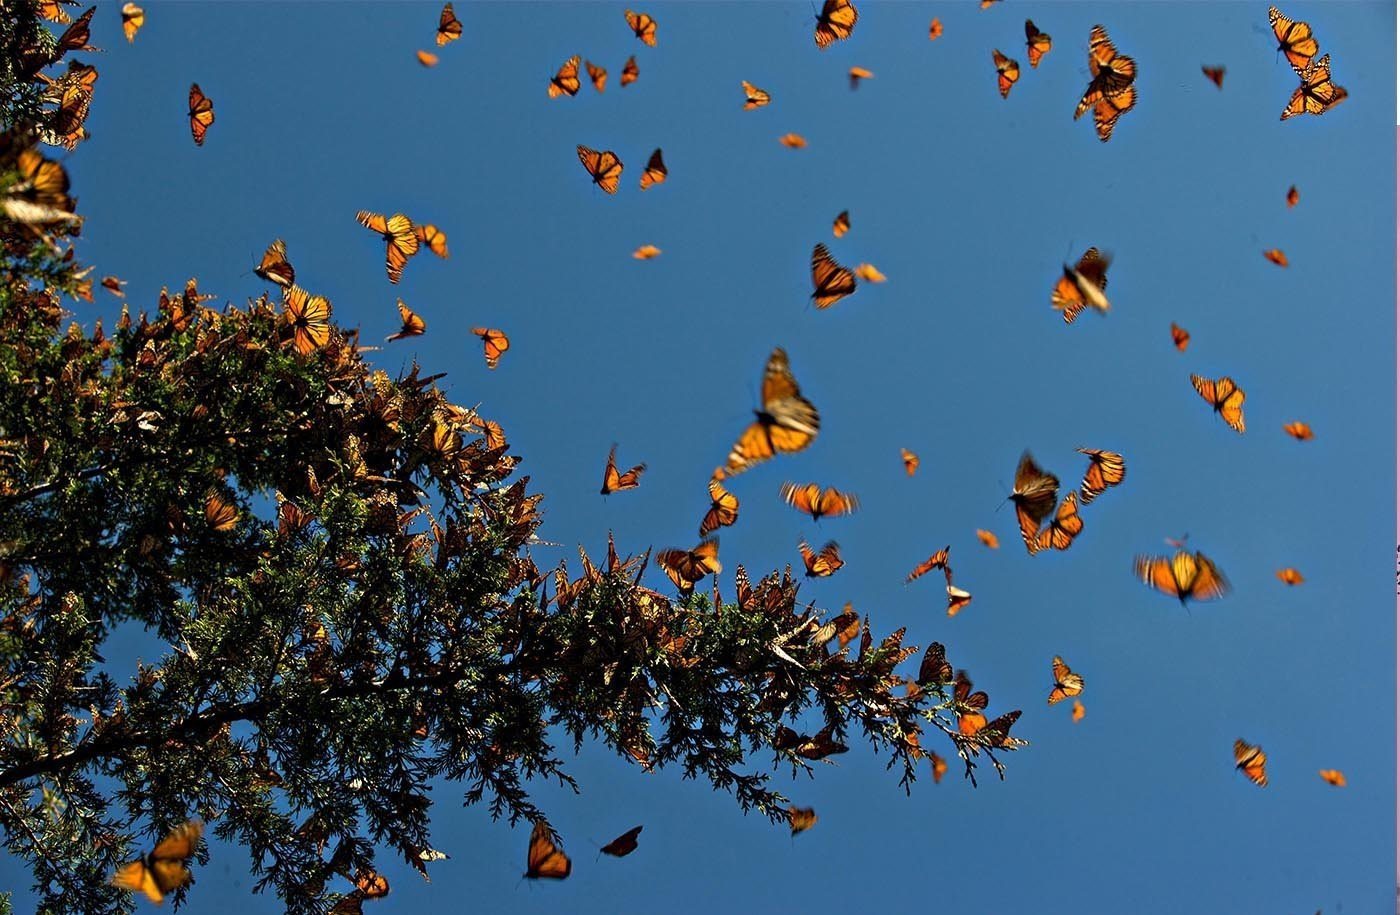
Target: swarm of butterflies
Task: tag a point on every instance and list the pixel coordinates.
(785, 422)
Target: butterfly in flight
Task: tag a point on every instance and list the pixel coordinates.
(686, 567)
(494, 343)
(1183, 576)
(801, 819)
(830, 281)
(787, 422)
(857, 74)
(310, 318)
(821, 564)
(723, 511)
(835, 22)
(1316, 93)
(220, 514)
(1076, 712)
(430, 235)
(646, 252)
(793, 140)
(1225, 397)
(754, 97)
(629, 72)
(1333, 777)
(1291, 198)
(114, 285)
(1034, 494)
(1081, 286)
(545, 858)
(1067, 682)
(1295, 40)
(968, 706)
(274, 266)
(841, 224)
(935, 29)
(427, 58)
(164, 870)
(1008, 72)
(1180, 336)
(1037, 44)
(1277, 257)
(399, 241)
(1110, 92)
(133, 17)
(1250, 760)
(1063, 528)
(911, 461)
(1301, 431)
(938, 560)
(817, 502)
(624, 844)
(566, 81)
(1290, 576)
(412, 324)
(940, 767)
(988, 539)
(598, 75)
(614, 481)
(603, 167)
(449, 26)
(643, 26)
(655, 171)
(957, 599)
(1215, 75)
(1106, 468)
(201, 114)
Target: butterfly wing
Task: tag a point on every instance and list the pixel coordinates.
(136, 877)
(724, 509)
(449, 26)
(1295, 39)
(835, 23)
(1008, 72)
(1037, 44)
(624, 844)
(545, 858)
(655, 171)
(201, 114)
(566, 81)
(1110, 108)
(830, 281)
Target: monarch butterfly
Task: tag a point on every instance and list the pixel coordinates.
(1037, 44)
(163, 870)
(133, 17)
(686, 567)
(935, 29)
(624, 844)
(201, 114)
(821, 746)
(655, 172)
(566, 81)
(274, 266)
(219, 514)
(1110, 91)
(987, 3)
(603, 167)
(868, 273)
(1333, 777)
(968, 706)
(988, 539)
(1076, 713)
(938, 560)
(824, 563)
(793, 140)
(1295, 39)
(911, 461)
(1176, 542)
(75, 37)
(1034, 494)
(114, 285)
(1215, 75)
(494, 342)
(53, 11)
(426, 58)
(433, 237)
(413, 325)
(1316, 92)
(1106, 468)
(857, 74)
(643, 26)
(1291, 198)
(614, 481)
(1008, 71)
(1301, 431)
(646, 252)
(629, 72)
(835, 22)
(1275, 256)
(1250, 760)
(1225, 397)
(934, 668)
(998, 732)
(817, 502)
(723, 511)
(400, 242)
(754, 97)
(1063, 528)
(1182, 576)
(787, 422)
(1069, 296)
(1290, 576)
(1180, 336)
(940, 767)
(74, 104)
(830, 281)
(545, 858)
(1067, 682)
(598, 75)
(801, 819)
(449, 26)
(957, 599)
(841, 224)
(310, 317)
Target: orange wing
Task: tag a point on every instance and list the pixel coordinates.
(938, 560)
(310, 317)
(449, 26)
(545, 858)
(817, 502)
(1180, 336)
(566, 81)
(787, 422)
(1275, 256)
(1063, 528)
(1008, 72)
(686, 567)
(1295, 39)
(1066, 295)
(842, 224)
(1225, 397)
(957, 599)
(988, 539)
(133, 17)
(1034, 495)
(274, 266)
(614, 481)
(824, 563)
(1291, 198)
(655, 171)
(1037, 44)
(494, 342)
(835, 22)
(1250, 760)
(1067, 682)
(433, 237)
(598, 75)
(724, 509)
(910, 459)
(426, 58)
(605, 168)
(754, 97)
(801, 819)
(1215, 75)
(643, 26)
(1106, 468)
(830, 281)
(201, 114)
(940, 767)
(935, 29)
(1333, 777)
(413, 325)
(629, 72)
(1290, 576)
(1077, 712)
(400, 242)
(1301, 431)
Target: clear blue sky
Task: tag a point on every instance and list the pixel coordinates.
(968, 204)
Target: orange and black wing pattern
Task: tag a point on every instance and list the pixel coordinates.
(411, 324)
(1316, 93)
(400, 242)
(164, 870)
(493, 343)
(449, 26)
(1295, 40)
(1106, 468)
(686, 567)
(811, 499)
(830, 281)
(1037, 44)
(1059, 534)
(938, 560)
(201, 114)
(1008, 72)
(786, 423)
(835, 22)
(821, 564)
(274, 266)
(1066, 297)
(1034, 494)
(1250, 760)
(1225, 397)
(1110, 92)
(614, 481)
(655, 171)
(545, 858)
(1067, 682)
(1185, 576)
(310, 318)
(723, 510)
(643, 26)
(605, 168)
(566, 81)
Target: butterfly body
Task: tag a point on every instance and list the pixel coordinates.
(164, 869)
(1183, 576)
(787, 421)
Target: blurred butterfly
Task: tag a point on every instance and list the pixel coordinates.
(1063, 528)
(988, 539)
(1034, 494)
(1106, 468)
(801, 819)
(1301, 431)
(629, 72)
(624, 844)
(835, 22)
(433, 237)
(938, 560)
(786, 423)
(1037, 44)
(219, 514)
(1275, 256)
(1110, 91)
(310, 317)
(940, 767)
(1008, 72)
(53, 11)
(1333, 777)
(754, 97)
(987, 3)
(133, 17)
(494, 342)
(792, 140)
(1215, 75)
(1316, 93)
(114, 286)
(841, 224)
(1176, 543)
(1067, 682)
(1291, 198)
(1068, 295)
(830, 281)
(1225, 397)
(426, 58)
(400, 243)
(164, 869)
(1250, 760)
(817, 502)
(1290, 576)
(857, 74)
(646, 252)
(1182, 576)
(1076, 714)
(957, 599)
(821, 746)
(274, 266)
(935, 29)
(449, 26)
(546, 859)
(723, 511)
(868, 273)
(998, 732)
(1180, 336)
(413, 325)
(844, 628)
(968, 706)
(598, 75)
(201, 114)
(614, 481)
(603, 167)
(911, 461)
(686, 567)
(824, 563)
(655, 171)
(934, 668)
(566, 81)
(643, 26)
(1295, 39)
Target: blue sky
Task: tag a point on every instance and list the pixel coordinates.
(968, 203)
